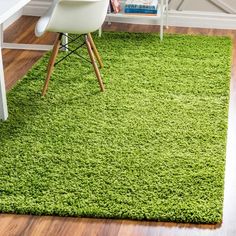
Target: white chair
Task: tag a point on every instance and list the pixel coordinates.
(73, 17)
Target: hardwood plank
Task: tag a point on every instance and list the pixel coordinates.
(17, 63)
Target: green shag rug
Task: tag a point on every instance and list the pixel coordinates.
(152, 147)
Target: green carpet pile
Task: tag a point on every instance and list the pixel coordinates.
(152, 146)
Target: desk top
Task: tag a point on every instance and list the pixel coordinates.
(10, 7)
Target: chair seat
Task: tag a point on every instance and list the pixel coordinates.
(73, 17)
(42, 25)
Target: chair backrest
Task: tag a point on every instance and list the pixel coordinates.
(77, 16)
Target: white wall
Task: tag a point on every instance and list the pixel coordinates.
(186, 13)
(222, 6)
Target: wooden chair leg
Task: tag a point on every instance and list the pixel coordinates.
(91, 55)
(93, 46)
(51, 62)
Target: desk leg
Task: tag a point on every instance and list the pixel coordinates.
(162, 21)
(3, 99)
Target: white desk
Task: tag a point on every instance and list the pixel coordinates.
(7, 9)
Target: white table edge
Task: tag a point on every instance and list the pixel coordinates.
(13, 8)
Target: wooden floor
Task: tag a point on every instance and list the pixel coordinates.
(17, 63)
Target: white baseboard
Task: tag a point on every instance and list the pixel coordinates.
(176, 18)
(213, 20)
(12, 19)
(36, 8)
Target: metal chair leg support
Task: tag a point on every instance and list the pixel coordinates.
(52, 62)
(91, 55)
